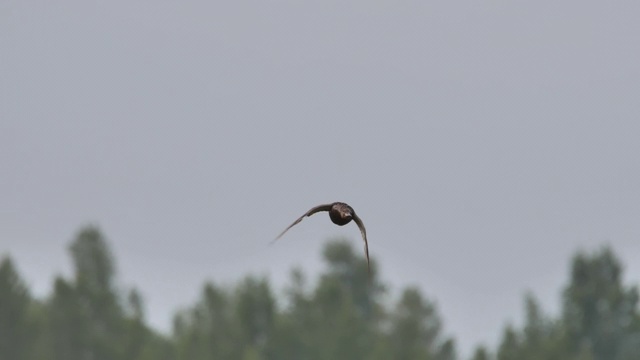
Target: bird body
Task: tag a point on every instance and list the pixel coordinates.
(340, 214)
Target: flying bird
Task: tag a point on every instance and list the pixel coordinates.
(340, 214)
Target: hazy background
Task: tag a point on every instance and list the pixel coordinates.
(479, 141)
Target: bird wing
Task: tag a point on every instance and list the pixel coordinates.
(313, 210)
(358, 222)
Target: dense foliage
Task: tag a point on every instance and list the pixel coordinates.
(345, 316)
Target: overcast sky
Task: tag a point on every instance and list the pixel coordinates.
(482, 142)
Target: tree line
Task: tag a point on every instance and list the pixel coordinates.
(346, 315)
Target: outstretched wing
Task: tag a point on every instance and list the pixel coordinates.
(358, 222)
(325, 207)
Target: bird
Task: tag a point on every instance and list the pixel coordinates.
(340, 214)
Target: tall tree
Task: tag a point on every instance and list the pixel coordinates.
(481, 353)
(350, 270)
(138, 336)
(207, 330)
(340, 331)
(540, 338)
(255, 311)
(599, 311)
(16, 333)
(417, 330)
(294, 326)
(68, 328)
(599, 318)
(509, 348)
(346, 306)
(87, 316)
(84, 315)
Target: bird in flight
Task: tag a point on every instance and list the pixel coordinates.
(340, 214)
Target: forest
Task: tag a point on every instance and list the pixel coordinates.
(90, 317)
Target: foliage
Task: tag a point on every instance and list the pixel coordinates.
(345, 316)
(16, 330)
(598, 321)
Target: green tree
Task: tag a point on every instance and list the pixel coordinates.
(136, 329)
(255, 312)
(293, 337)
(540, 338)
(599, 318)
(350, 272)
(345, 306)
(341, 332)
(68, 328)
(141, 342)
(208, 331)
(222, 325)
(481, 353)
(97, 295)
(509, 348)
(599, 311)
(86, 316)
(16, 331)
(417, 330)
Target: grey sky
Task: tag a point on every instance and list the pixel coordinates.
(481, 142)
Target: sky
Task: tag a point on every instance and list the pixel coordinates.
(482, 143)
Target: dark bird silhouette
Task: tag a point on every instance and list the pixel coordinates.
(340, 214)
